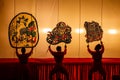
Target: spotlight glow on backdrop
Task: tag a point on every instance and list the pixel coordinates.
(79, 30)
(46, 30)
(112, 31)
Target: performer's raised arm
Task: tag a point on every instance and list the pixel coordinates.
(17, 51)
(102, 47)
(49, 48)
(65, 50)
(90, 51)
(30, 52)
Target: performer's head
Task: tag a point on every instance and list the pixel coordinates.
(97, 47)
(58, 48)
(23, 50)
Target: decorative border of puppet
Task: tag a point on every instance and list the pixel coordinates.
(94, 31)
(23, 31)
(61, 33)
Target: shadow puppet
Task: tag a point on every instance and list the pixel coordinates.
(97, 61)
(24, 69)
(59, 68)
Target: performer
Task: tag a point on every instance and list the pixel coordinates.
(23, 58)
(97, 63)
(58, 56)
(24, 70)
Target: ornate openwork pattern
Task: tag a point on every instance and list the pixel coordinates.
(94, 31)
(61, 33)
(23, 31)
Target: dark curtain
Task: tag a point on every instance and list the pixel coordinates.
(79, 71)
(40, 69)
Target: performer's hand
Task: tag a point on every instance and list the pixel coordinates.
(49, 46)
(32, 48)
(101, 42)
(16, 48)
(65, 46)
(88, 45)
